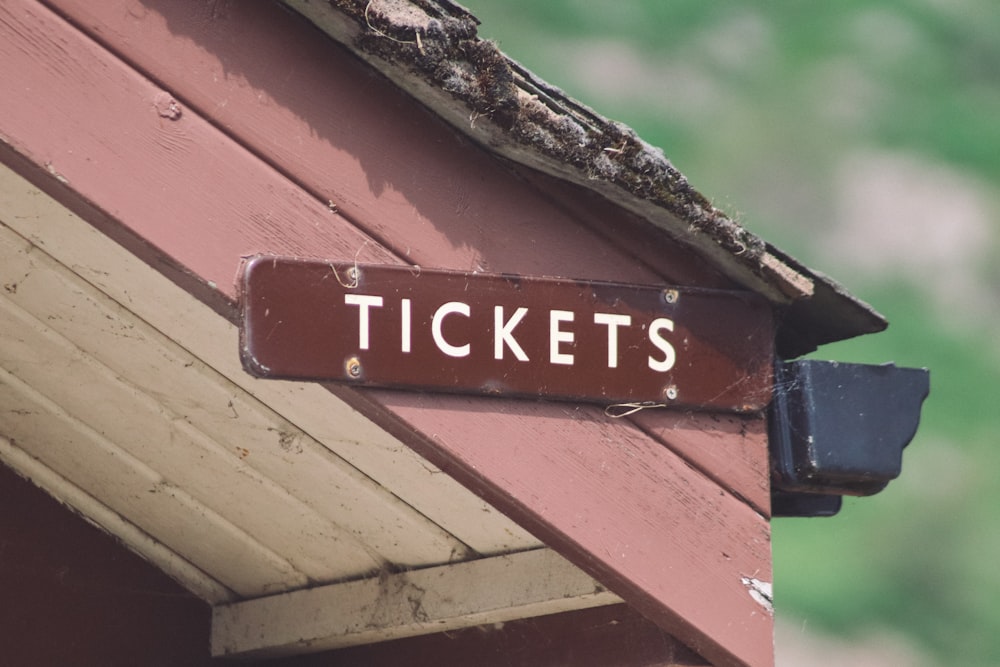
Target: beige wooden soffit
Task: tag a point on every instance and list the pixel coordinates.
(123, 396)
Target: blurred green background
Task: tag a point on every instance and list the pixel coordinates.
(864, 139)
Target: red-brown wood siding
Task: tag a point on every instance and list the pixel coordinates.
(380, 178)
(257, 125)
(73, 596)
(615, 501)
(599, 637)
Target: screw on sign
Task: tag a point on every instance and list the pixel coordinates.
(353, 367)
(506, 335)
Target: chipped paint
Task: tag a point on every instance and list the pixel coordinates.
(166, 106)
(761, 592)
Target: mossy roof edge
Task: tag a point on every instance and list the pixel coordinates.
(431, 49)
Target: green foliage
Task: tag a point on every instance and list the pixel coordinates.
(918, 556)
(933, 69)
(759, 104)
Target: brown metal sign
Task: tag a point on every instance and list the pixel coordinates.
(404, 327)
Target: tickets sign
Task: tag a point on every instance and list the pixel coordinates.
(411, 328)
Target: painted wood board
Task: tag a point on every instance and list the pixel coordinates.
(99, 514)
(388, 192)
(531, 141)
(390, 606)
(73, 595)
(613, 635)
(72, 449)
(729, 449)
(167, 409)
(390, 167)
(666, 606)
(180, 410)
(210, 340)
(617, 503)
(148, 142)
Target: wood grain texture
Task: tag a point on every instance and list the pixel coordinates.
(167, 408)
(611, 498)
(350, 137)
(134, 290)
(487, 591)
(139, 542)
(130, 488)
(101, 129)
(389, 167)
(730, 449)
(618, 504)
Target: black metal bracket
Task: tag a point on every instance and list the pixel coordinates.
(839, 429)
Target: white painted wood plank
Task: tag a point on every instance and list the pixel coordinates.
(140, 426)
(489, 590)
(174, 398)
(99, 514)
(311, 408)
(72, 449)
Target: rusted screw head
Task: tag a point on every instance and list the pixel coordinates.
(671, 295)
(353, 367)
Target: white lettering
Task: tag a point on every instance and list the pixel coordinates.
(405, 327)
(446, 309)
(669, 356)
(557, 336)
(503, 333)
(364, 301)
(613, 322)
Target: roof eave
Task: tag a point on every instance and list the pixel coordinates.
(433, 52)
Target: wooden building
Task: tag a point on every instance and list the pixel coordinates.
(150, 147)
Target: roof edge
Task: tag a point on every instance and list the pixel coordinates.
(431, 49)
